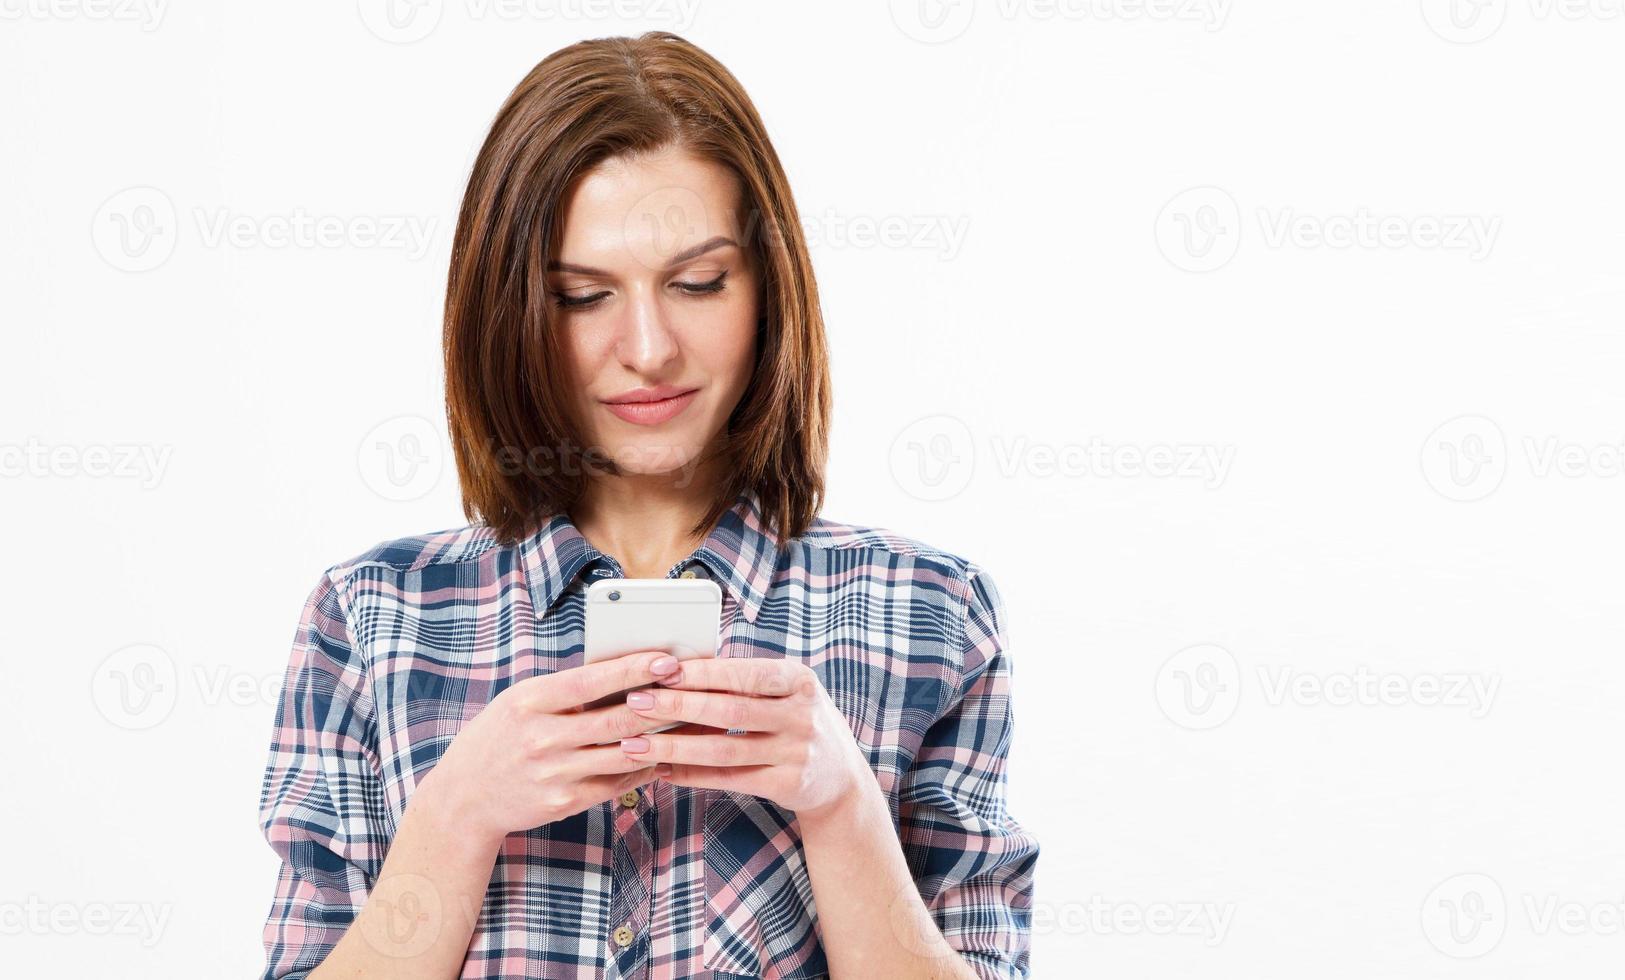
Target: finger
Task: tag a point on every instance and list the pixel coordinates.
(721, 751)
(602, 788)
(610, 724)
(570, 688)
(602, 762)
(739, 779)
(759, 677)
(718, 709)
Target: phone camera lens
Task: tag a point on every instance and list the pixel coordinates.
(614, 597)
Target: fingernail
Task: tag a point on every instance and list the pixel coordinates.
(640, 699)
(663, 665)
(670, 678)
(635, 744)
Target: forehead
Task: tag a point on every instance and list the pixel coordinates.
(648, 208)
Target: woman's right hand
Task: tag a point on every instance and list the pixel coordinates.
(531, 757)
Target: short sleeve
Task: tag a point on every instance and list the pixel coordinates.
(973, 862)
(321, 802)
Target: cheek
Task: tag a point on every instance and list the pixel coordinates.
(725, 344)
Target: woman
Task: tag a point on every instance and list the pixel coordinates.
(637, 386)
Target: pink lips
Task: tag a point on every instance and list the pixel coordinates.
(651, 412)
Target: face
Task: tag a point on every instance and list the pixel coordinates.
(656, 302)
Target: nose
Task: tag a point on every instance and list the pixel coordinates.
(645, 342)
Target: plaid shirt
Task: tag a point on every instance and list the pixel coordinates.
(399, 646)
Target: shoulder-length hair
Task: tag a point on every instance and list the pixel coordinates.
(506, 400)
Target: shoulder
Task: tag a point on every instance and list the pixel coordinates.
(881, 545)
(446, 547)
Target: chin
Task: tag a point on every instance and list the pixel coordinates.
(653, 457)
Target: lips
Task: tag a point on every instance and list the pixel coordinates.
(651, 411)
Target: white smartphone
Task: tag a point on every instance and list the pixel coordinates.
(626, 615)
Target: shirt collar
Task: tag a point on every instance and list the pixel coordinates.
(740, 551)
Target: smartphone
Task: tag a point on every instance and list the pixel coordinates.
(627, 615)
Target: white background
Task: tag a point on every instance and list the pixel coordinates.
(1026, 302)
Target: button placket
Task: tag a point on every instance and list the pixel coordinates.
(633, 881)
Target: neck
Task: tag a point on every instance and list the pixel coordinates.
(644, 521)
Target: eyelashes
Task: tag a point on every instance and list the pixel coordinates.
(709, 288)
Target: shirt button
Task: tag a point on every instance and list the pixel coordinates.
(689, 573)
(629, 798)
(623, 936)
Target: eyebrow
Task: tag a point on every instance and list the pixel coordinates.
(678, 259)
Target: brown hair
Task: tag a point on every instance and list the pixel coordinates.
(505, 367)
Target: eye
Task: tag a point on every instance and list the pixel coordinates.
(702, 288)
(565, 301)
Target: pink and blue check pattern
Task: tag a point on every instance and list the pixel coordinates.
(399, 646)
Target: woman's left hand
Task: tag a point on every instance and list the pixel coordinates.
(797, 749)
